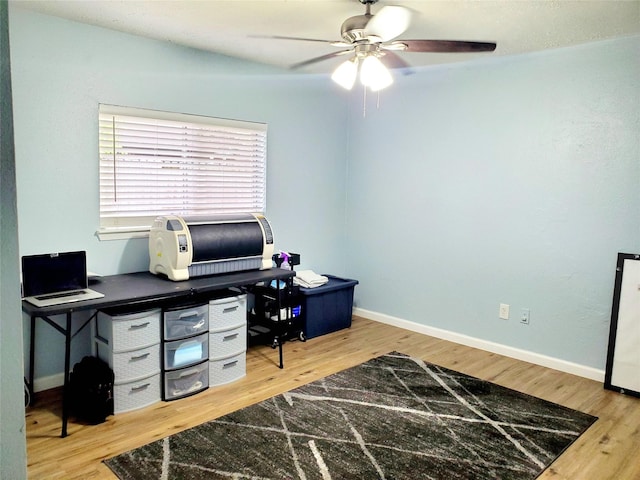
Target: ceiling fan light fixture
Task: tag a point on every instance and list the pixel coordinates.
(389, 22)
(346, 73)
(374, 74)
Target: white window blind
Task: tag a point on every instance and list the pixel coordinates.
(160, 163)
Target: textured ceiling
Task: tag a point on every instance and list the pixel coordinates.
(231, 27)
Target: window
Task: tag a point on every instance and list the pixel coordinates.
(159, 163)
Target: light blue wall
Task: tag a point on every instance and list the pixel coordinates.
(62, 70)
(509, 180)
(13, 449)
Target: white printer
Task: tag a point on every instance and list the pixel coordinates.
(185, 247)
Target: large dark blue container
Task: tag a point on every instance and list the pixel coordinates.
(327, 308)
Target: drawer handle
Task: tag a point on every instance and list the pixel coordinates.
(189, 373)
(230, 337)
(140, 325)
(230, 364)
(140, 357)
(188, 314)
(230, 309)
(140, 387)
(189, 344)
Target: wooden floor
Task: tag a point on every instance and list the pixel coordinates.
(610, 449)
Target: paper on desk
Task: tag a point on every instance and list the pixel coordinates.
(309, 279)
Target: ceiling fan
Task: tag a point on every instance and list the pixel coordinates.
(370, 38)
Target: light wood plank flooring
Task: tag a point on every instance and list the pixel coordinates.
(610, 449)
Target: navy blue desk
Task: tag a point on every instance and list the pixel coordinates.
(141, 289)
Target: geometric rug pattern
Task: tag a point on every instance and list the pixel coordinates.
(393, 417)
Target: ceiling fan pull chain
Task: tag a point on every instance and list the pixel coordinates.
(364, 102)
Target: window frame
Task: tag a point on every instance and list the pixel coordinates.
(251, 183)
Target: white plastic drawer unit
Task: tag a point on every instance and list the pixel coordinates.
(129, 331)
(186, 352)
(136, 394)
(132, 364)
(228, 312)
(184, 321)
(228, 342)
(227, 370)
(186, 381)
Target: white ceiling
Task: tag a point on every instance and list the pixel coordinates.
(231, 27)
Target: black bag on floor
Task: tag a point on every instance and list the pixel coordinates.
(91, 390)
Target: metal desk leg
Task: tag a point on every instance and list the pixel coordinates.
(32, 357)
(279, 328)
(65, 388)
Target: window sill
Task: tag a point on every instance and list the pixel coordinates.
(122, 233)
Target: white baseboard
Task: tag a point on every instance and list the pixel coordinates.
(57, 380)
(46, 383)
(518, 354)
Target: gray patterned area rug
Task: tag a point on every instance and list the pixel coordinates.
(393, 417)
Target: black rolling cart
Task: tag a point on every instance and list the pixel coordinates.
(274, 318)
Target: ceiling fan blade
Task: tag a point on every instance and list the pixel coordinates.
(280, 37)
(321, 58)
(389, 22)
(443, 46)
(393, 60)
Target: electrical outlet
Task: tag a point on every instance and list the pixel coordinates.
(525, 316)
(504, 311)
